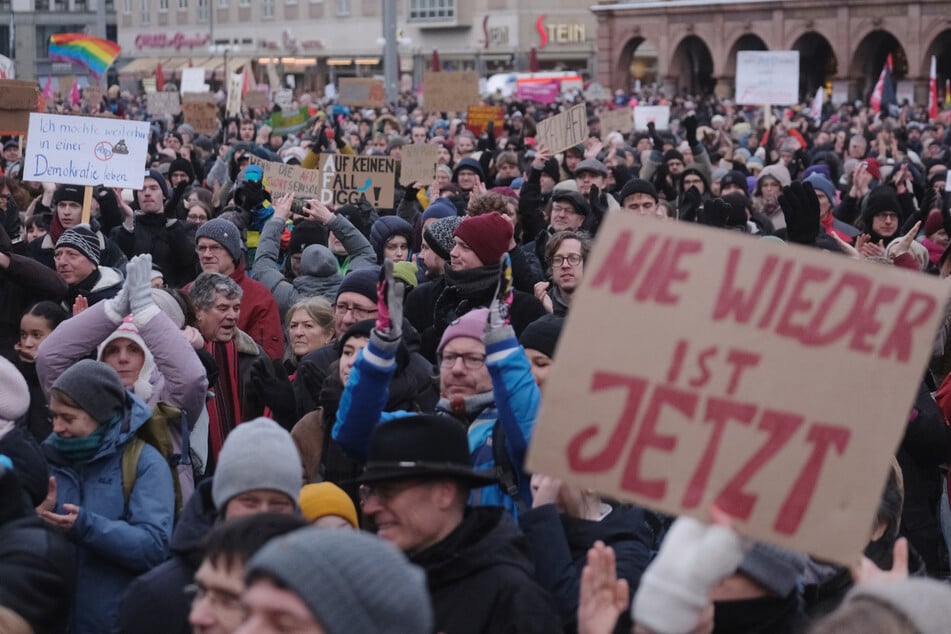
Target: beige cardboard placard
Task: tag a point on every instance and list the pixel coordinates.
(93, 95)
(564, 130)
(256, 99)
(361, 92)
(202, 116)
(619, 120)
(478, 117)
(18, 98)
(163, 103)
(450, 91)
(339, 179)
(65, 85)
(701, 367)
(418, 163)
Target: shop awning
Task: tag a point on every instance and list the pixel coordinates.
(142, 65)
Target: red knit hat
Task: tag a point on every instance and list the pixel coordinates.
(488, 235)
(934, 222)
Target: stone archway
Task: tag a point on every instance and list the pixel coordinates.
(691, 67)
(637, 63)
(746, 42)
(817, 62)
(940, 47)
(869, 58)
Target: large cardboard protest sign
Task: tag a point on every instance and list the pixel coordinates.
(339, 179)
(86, 151)
(164, 102)
(256, 99)
(450, 91)
(618, 120)
(767, 77)
(233, 101)
(703, 367)
(658, 115)
(361, 92)
(478, 117)
(18, 99)
(564, 130)
(418, 163)
(201, 114)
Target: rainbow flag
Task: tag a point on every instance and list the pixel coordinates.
(94, 53)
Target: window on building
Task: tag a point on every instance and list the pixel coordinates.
(126, 7)
(244, 3)
(183, 5)
(42, 5)
(431, 10)
(343, 7)
(203, 10)
(290, 2)
(146, 15)
(222, 4)
(267, 8)
(163, 5)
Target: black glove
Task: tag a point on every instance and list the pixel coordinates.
(801, 209)
(715, 213)
(338, 135)
(598, 202)
(272, 385)
(690, 204)
(690, 129)
(655, 138)
(321, 142)
(172, 204)
(5, 243)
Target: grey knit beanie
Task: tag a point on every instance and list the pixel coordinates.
(95, 387)
(438, 235)
(350, 580)
(259, 454)
(924, 602)
(83, 239)
(225, 233)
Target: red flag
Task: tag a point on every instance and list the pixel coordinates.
(246, 84)
(74, 97)
(876, 100)
(159, 77)
(434, 64)
(533, 65)
(933, 90)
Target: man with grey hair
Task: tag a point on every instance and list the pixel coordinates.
(247, 381)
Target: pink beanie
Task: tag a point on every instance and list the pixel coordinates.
(472, 324)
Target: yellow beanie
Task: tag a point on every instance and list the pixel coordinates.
(326, 498)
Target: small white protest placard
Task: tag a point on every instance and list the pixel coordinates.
(658, 115)
(193, 80)
(767, 77)
(86, 151)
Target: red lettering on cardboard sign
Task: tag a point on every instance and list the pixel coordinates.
(609, 454)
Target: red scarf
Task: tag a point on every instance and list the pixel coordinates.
(224, 409)
(56, 227)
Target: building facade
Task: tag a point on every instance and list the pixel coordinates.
(842, 46)
(317, 41)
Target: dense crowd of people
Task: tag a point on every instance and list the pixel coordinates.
(228, 410)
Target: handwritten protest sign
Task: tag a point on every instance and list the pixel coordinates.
(163, 103)
(86, 151)
(233, 102)
(93, 95)
(361, 92)
(773, 381)
(193, 80)
(201, 114)
(255, 99)
(450, 91)
(767, 77)
(284, 98)
(18, 98)
(619, 120)
(290, 122)
(541, 91)
(339, 179)
(478, 117)
(564, 130)
(659, 115)
(418, 163)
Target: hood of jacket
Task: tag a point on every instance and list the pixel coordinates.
(486, 537)
(196, 520)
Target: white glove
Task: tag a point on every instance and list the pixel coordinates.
(138, 281)
(117, 307)
(676, 587)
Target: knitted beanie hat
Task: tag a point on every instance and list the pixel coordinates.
(68, 193)
(127, 330)
(182, 165)
(160, 179)
(881, 199)
(438, 235)
(469, 164)
(822, 184)
(224, 233)
(440, 208)
(542, 335)
(259, 454)
(488, 235)
(471, 325)
(386, 228)
(95, 387)
(637, 186)
(326, 498)
(168, 305)
(934, 222)
(350, 580)
(305, 234)
(14, 393)
(83, 239)
(362, 282)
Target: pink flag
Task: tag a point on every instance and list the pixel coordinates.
(933, 91)
(74, 97)
(48, 88)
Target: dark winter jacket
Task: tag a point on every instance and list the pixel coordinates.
(164, 585)
(480, 579)
(103, 283)
(22, 284)
(169, 242)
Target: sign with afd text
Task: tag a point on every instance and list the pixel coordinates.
(767, 78)
(86, 151)
(339, 179)
(564, 130)
(703, 367)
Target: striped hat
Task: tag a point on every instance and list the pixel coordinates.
(83, 239)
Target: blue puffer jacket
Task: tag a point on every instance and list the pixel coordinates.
(114, 544)
(513, 402)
